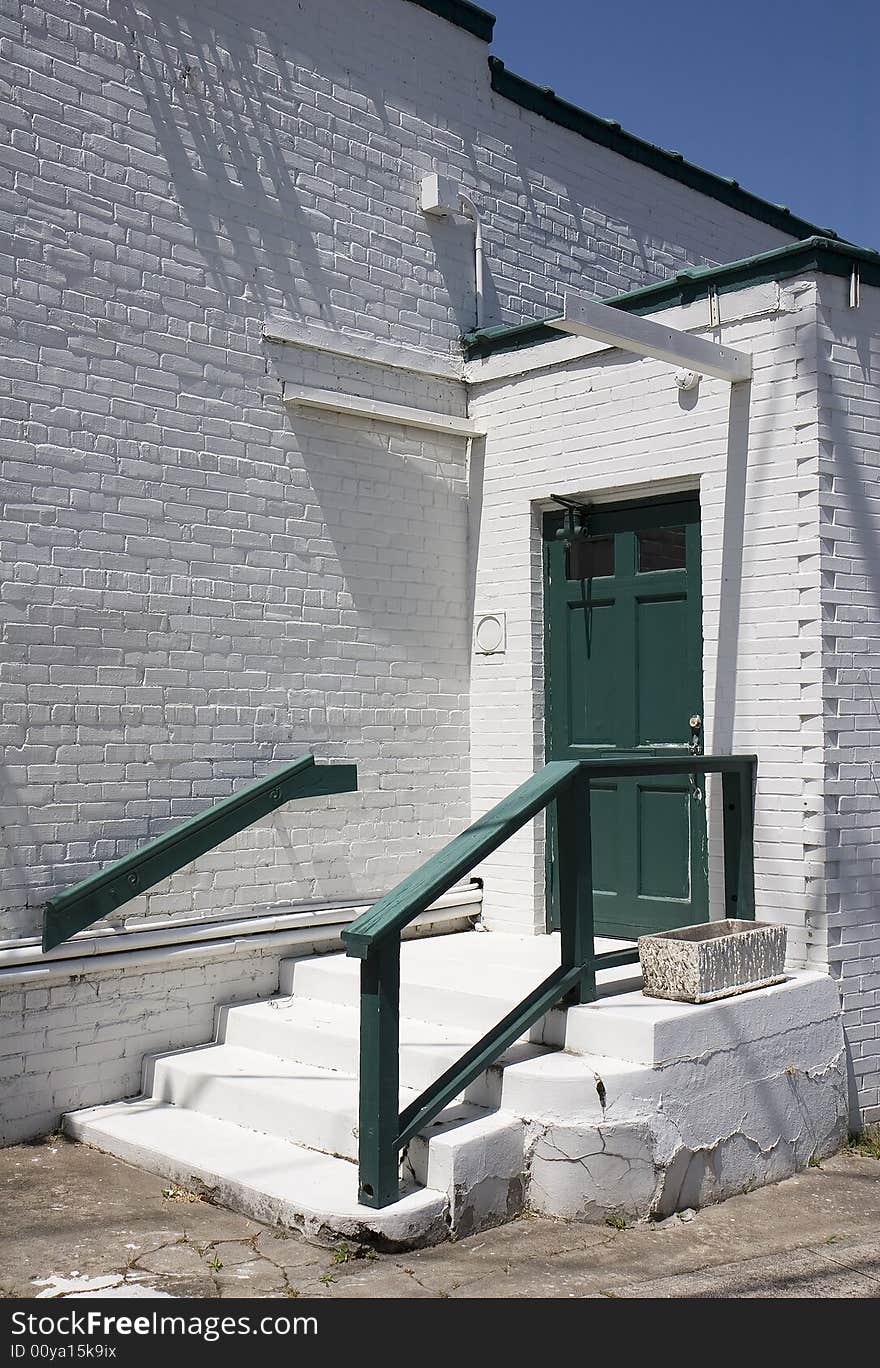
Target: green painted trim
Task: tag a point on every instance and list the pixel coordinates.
(607, 133)
(375, 939)
(828, 256)
(487, 1050)
(102, 893)
(437, 875)
(487, 341)
(477, 21)
(379, 1075)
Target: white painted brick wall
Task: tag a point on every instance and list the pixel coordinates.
(198, 587)
(848, 357)
(309, 595)
(790, 512)
(608, 426)
(79, 1041)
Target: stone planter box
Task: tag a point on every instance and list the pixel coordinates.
(715, 960)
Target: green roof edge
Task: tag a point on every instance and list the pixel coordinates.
(544, 101)
(464, 15)
(831, 256)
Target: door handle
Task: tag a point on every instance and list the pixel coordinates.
(696, 748)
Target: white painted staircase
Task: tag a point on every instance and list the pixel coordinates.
(265, 1118)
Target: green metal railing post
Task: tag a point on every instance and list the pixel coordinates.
(739, 818)
(378, 1161)
(374, 938)
(575, 865)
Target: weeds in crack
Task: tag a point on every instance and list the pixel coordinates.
(866, 1143)
(344, 1253)
(174, 1193)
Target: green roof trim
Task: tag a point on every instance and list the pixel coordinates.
(544, 101)
(477, 21)
(831, 256)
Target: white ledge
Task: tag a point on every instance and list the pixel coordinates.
(356, 406)
(279, 931)
(394, 356)
(631, 332)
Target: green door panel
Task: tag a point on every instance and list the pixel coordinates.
(606, 845)
(663, 833)
(593, 703)
(623, 674)
(661, 641)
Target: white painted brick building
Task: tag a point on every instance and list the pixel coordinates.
(208, 210)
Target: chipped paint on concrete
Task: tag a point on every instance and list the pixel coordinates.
(101, 1285)
(586, 1173)
(695, 1104)
(690, 1145)
(478, 1164)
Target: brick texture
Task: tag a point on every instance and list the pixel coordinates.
(848, 356)
(608, 426)
(198, 587)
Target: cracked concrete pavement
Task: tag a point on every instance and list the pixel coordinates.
(74, 1218)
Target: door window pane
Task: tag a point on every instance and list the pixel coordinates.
(587, 557)
(662, 548)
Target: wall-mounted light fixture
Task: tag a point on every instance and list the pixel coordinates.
(586, 556)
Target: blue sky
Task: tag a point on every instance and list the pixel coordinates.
(784, 95)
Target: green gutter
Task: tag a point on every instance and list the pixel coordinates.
(830, 256)
(477, 21)
(544, 101)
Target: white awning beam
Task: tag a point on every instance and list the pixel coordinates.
(355, 405)
(617, 328)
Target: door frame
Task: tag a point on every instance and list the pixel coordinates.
(635, 513)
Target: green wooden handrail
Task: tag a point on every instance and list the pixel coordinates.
(101, 893)
(436, 876)
(374, 938)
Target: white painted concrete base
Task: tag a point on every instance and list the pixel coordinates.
(650, 1107)
(264, 1176)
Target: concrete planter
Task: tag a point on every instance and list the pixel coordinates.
(702, 963)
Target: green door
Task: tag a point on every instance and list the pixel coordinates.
(623, 675)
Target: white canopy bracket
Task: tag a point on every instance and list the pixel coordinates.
(617, 328)
(355, 405)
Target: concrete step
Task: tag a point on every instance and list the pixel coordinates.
(263, 1176)
(296, 1101)
(327, 1035)
(654, 1032)
(470, 979)
(652, 1106)
(529, 1080)
(469, 1003)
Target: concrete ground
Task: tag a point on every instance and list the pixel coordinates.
(74, 1219)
